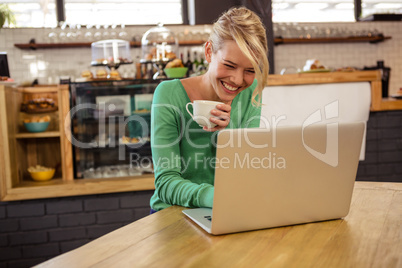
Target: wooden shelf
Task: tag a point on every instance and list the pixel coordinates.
(277, 41)
(373, 39)
(46, 134)
(38, 89)
(60, 188)
(390, 104)
(83, 44)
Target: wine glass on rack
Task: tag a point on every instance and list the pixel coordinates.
(105, 34)
(98, 32)
(71, 35)
(113, 31)
(88, 36)
(53, 36)
(78, 33)
(62, 34)
(123, 34)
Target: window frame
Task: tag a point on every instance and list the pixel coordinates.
(61, 12)
(358, 9)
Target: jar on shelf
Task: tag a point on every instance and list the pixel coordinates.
(111, 53)
(159, 44)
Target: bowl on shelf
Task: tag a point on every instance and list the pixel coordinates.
(42, 175)
(177, 72)
(36, 126)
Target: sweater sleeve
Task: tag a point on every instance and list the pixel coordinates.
(171, 188)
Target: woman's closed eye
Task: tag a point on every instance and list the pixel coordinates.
(230, 66)
(233, 67)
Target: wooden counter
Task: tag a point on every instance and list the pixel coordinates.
(389, 104)
(373, 77)
(370, 236)
(12, 187)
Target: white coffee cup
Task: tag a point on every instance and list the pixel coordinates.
(202, 112)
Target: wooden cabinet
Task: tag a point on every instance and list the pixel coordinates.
(21, 149)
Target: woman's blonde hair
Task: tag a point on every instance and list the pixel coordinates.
(246, 29)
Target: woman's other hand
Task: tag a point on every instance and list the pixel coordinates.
(222, 111)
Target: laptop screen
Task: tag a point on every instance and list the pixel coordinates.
(4, 71)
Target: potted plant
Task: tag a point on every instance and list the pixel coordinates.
(6, 15)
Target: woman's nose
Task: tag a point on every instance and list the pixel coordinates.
(237, 77)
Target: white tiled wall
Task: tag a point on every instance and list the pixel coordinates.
(357, 55)
(49, 64)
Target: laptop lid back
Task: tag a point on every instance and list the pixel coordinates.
(289, 175)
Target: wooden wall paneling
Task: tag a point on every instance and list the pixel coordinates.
(4, 157)
(13, 99)
(376, 95)
(65, 133)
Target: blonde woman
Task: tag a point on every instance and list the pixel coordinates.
(183, 152)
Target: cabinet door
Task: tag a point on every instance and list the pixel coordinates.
(111, 128)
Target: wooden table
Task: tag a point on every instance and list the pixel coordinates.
(370, 236)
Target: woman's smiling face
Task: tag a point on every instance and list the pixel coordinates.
(229, 71)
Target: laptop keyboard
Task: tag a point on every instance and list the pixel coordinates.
(208, 218)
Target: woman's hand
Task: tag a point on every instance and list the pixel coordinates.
(222, 111)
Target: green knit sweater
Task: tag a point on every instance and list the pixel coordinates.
(183, 153)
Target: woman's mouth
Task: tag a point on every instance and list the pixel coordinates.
(228, 88)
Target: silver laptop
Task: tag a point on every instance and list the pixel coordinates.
(284, 176)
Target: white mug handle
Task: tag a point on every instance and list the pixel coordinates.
(188, 109)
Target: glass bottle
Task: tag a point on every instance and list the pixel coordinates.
(385, 72)
(189, 64)
(196, 62)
